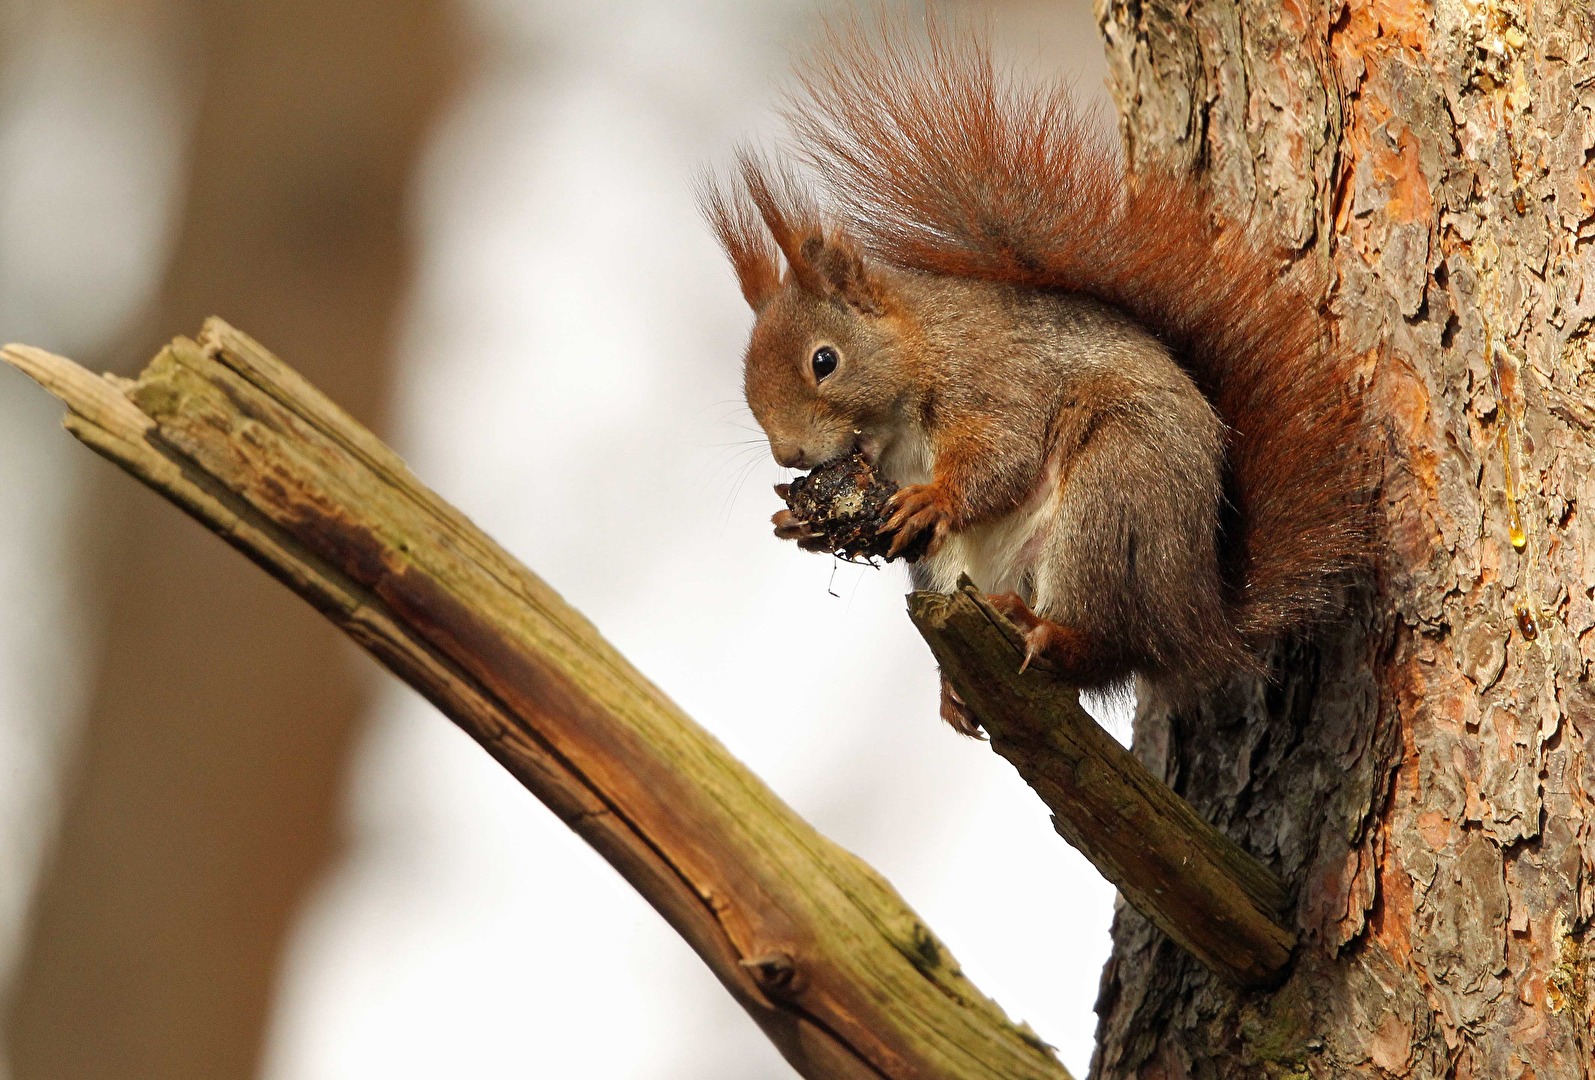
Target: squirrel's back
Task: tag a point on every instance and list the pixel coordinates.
(937, 164)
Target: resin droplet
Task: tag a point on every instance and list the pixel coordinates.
(1526, 622)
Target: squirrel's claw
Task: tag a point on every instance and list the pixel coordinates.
(788, 526)
(1032, 627)
(915, 509)
(1057, 645)
(1012, 606)
(957, 714)
(1043, 638)
(1035, 645)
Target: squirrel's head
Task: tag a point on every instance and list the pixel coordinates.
(822, 372)
(819, 372)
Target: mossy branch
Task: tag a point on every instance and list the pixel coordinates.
(1194, 882)
(825, 956)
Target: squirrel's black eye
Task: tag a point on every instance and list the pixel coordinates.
(824, 362)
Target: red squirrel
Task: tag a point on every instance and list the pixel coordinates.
(1110, 408)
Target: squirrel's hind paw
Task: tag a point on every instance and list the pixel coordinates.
(957, 714)
(1062, 648)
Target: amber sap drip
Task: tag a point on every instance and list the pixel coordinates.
(1514, 521)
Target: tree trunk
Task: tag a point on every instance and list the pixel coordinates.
(1417, 775)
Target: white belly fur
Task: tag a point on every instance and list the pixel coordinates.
(997, 555)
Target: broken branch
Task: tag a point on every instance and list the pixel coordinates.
(818, 948)
(1196, 884)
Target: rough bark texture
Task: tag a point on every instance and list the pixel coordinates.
(200, 807)
(818, 948)
(1418, 776)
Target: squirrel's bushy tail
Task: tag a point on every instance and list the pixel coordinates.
(936, 162)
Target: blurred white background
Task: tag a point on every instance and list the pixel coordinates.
(571, 381)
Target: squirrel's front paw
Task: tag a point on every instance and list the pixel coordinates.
(916, 509)
(788, 526)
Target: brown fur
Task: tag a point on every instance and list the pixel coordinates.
(1101, 397)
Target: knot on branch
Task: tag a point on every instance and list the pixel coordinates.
(776, 973)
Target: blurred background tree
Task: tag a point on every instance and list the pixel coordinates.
(201, 806)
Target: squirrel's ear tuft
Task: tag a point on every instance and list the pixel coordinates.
(787, 212)
(768, 206)
(845, 274)
(737, 225)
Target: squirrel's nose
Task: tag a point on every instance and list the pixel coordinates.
(788, 456)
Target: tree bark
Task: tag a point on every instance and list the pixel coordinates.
(1417, 774)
